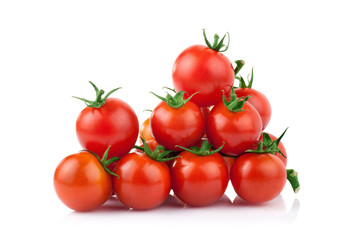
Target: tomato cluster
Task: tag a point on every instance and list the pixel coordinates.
(204, 134)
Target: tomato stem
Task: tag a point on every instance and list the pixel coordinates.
(104, 161)
(99, 101)
(292, 177)
(176, 101)
(239, 65)
(217, 46)
(242, 83)
(235, 104)
(159, 154)
(270, 145)
(204, 150)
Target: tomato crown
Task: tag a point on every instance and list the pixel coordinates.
(99, 101)
(204, 150)
(268, 145)
(104, 161)
(242, 83)
(160, 154)
(217, 46)
(176, 101)
(235, 104)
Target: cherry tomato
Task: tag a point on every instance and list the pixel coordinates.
(145, 130)
(182, 126)
(81, 182)
(199, 180)
(114, 124)
(204, 69)
(143, 183)
(259, 101)
(239, 130)
(107, 122)
(258, 177)
(201, 69)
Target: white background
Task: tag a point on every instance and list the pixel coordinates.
(306, 61)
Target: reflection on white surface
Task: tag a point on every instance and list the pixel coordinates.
(174, 211)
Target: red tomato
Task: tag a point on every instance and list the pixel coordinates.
(143, 183)
(182, 126)
(145, 130)
(259, 101)
(201, 69)
(258, 177)
(81, 182)
(199, 180)
(239, 130)
(114, 124)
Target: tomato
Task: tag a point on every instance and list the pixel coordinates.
(145, 130)
(111, 122)
(143, 183)
(203, 69)
(258, 177)
(257, 99)
(81, 182)
(182, 126)
(239, 130)
(199, 180)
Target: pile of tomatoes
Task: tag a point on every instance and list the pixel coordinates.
(202, 134)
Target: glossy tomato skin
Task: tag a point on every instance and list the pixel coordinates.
(114, 124)
(143, 183)
(259, 101)
(81, 183)
(239, 130)
(199, 180)
(145, 130)
(182, 126)
(258, 178)
(201, 69)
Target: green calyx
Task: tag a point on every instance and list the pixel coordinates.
(176, 101)
(217, 45)
(160, 154)
(242, 83)
(100, 100)
(235, 104)
(292, 177)
(204, 150)
(106, 162)
(268, 145)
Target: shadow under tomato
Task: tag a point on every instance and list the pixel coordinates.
(272, 211)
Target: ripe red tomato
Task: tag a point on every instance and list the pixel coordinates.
(239, 130)
(258, 177)
(143, 183)
(182, 126)
(114, 124)
(81, 182)
(145, 130)
(199, 180)
(204, 69)
(259, 101)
